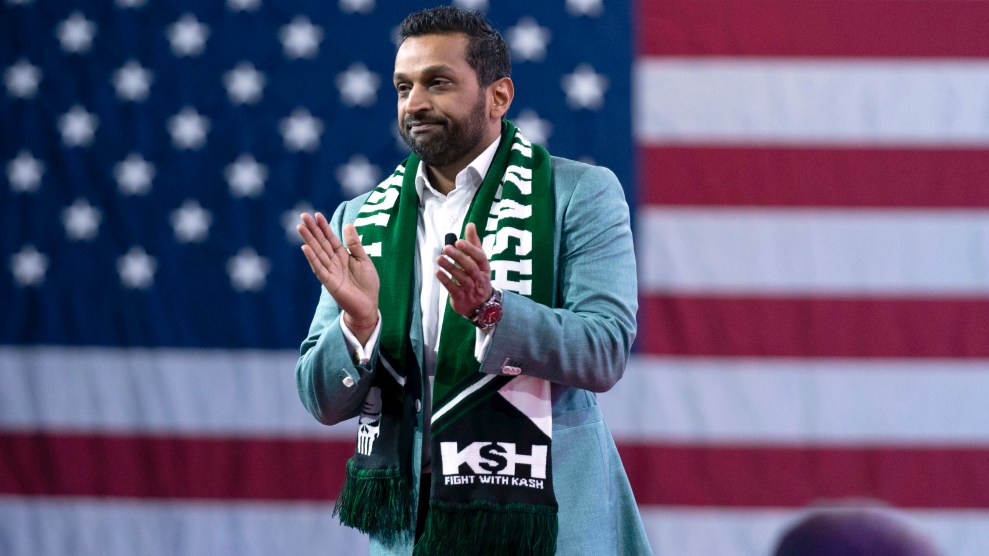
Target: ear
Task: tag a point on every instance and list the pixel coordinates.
(501, 93)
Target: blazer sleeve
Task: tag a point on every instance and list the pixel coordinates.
(331, 385)
(585, 342)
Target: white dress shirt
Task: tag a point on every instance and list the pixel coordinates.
(439, 214)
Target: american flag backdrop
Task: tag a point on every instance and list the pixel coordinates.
(809, 192)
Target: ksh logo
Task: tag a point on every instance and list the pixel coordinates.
(498, 458)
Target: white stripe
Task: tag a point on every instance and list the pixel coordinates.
(711, 100)
(391, 370)
(740, 532)
(660, 398)
(60, 526)
(461, 397)
(532, 397)
(819, 401)
(777, 251)
(201, 392)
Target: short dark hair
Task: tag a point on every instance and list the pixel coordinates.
(486, 50)
(853, 532)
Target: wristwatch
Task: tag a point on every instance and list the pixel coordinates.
(488, 314)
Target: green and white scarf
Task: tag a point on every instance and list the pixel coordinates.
(492, 484)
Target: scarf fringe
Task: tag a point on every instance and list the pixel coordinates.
(483, 527)
(376, 501)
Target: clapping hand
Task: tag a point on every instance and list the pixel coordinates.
(467, 273)
(346, 272)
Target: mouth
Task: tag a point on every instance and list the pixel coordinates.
(422, 127)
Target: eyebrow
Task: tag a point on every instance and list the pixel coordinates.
(439, 68)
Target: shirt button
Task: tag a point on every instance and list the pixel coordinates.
(347, 381)
(418, 406)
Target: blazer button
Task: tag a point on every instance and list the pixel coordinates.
(418, 406)
(347, 381)
(511, 371)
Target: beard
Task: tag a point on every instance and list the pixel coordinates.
(454, 140)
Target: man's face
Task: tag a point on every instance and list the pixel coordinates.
(442, 111)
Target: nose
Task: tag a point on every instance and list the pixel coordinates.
(417, 100)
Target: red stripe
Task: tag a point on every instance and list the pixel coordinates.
(775, 476)
(156, 467)
(171, 466)
(777, 176)
(841, 28)
(818, 326)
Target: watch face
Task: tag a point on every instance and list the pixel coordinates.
(489, 316)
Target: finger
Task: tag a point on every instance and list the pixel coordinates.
(472, 246)
(473, 257)
(321, 272)
(452, 287)
(302, 226)
(306, 231)
(317, 240)
(312, 237)
(471, 242)
(459, 299)
(463, 259)
(323, 224)
(470, 234)
(321, 230)
(312, 228)
(306, 227)
(472, 276)
(354, 244)
(457, 274)
(312, 259)
(310, 241)
(309, 220)
(324, 227)
(474, 287)
(459, 264)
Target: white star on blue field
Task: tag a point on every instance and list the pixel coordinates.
(155, 157)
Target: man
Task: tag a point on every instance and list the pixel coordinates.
(472, 304)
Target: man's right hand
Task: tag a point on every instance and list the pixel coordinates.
(350, 277)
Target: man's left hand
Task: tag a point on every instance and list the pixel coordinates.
(468, 274)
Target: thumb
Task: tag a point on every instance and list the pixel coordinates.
(470, 234)
(353, 242)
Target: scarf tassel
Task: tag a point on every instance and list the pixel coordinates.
(491, 529)
(376, 501)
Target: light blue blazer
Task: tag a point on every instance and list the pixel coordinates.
(581, 348)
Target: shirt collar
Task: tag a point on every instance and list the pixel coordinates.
(470, 177)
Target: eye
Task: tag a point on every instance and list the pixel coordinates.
(440, 83)
(403, 89)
